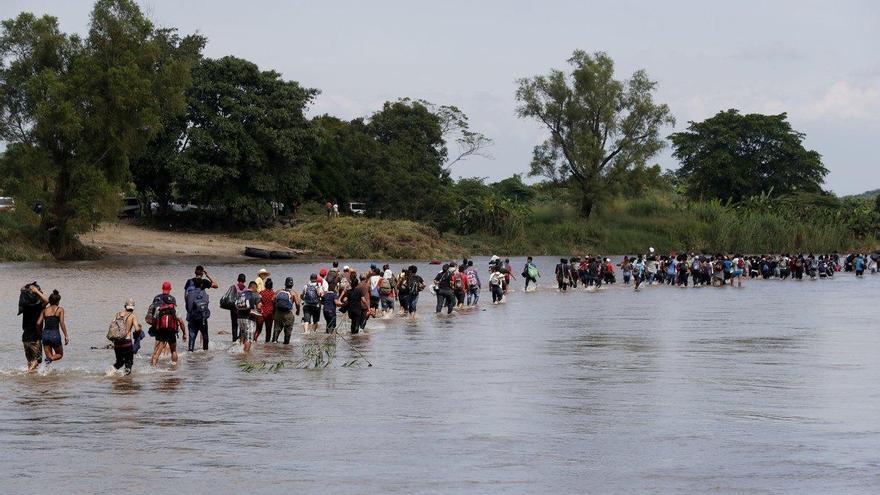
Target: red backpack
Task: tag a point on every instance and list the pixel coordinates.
(165, 318)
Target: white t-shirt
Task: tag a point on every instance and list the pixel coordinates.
(374, 281)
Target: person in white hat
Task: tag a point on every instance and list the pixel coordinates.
(122, 327)
(262, 275)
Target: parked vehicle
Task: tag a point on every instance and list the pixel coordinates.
(131, 208)
(7, 203)
(357, 208)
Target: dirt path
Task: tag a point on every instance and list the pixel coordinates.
(123, 239)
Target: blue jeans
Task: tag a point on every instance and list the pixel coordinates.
(196, 327)
(412, 301)
(473, 296)
(387, 303)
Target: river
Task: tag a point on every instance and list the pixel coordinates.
(772, 388)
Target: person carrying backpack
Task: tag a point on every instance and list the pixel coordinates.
(249, 307)
(122, 327)
(31, 302)
(473, 284)
(387, 290)
(530, 273)
(445, 296)
(311, 304)
(197, 312)
(285, 302)
(227, 302)
(333, 277)
(165, 323)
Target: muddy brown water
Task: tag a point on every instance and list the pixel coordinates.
(773, 388)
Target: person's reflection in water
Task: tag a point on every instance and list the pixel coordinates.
(126, 385)
(169, 384)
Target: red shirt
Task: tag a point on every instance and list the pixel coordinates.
(267, 297)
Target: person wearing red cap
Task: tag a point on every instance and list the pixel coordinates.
(164, 324)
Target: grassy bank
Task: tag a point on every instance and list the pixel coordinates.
(363, 238)
(18, 238)
(631, 225)
(619, 226)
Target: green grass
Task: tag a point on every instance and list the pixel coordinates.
(669, 224)
(18, 238)
(358, 237)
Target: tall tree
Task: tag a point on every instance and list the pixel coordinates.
(734, 156)
(595, 122)
(153, 171)
(408, 179)
(249, 142)
(79, 110)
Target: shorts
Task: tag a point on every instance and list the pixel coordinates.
(312, 314)
(52, 338)
(33, 351)
(246, 329)
(374, 302)
(737, 273)
(169, 336)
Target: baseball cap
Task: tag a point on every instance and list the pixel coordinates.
(166, 286)
(129, 304)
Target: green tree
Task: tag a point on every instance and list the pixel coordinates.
(732, 157)
(346, 152)
(408, 178)
(248, 140)
(595, 122)
(514, 189)
(153, 172)
(75, 112)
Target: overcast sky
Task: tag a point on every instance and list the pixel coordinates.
(817, 60)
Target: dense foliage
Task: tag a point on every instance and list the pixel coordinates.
(598, 125)
(734, 156)
(76, 111)
(136, 108)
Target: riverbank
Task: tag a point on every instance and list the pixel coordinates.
(618, 226)
(117, 240)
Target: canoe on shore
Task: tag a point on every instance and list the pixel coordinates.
(266, 254)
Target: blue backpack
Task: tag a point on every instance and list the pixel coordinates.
(199, 307)
(310, 295)
(283, 302)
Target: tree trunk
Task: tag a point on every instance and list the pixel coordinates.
(56, 225)
(587, 200)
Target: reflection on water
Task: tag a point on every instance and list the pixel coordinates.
(768, 389)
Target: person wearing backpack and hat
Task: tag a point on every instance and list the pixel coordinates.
(122, 327)
(285, 302)
(163, 318)
(249, 307)
(311, 304)
(198, 311)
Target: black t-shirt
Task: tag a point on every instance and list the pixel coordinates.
(415, 283)
(444, 280)
(254, 300)
(29, 316)
(355, 296)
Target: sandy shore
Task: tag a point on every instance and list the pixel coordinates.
(123, 240)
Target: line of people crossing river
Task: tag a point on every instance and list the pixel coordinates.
(260, 310)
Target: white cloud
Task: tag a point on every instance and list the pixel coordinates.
(844, 100)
